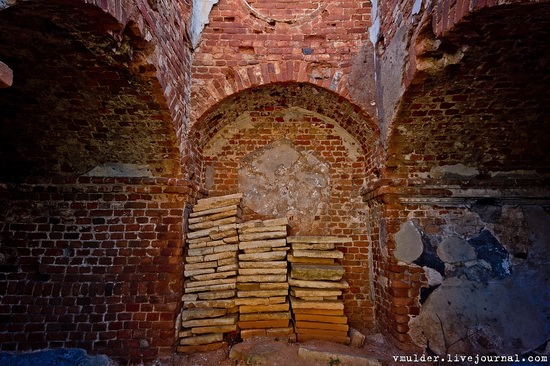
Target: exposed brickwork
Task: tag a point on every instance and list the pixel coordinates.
(93, 263)
(97, 262)
(105, 89)
(488, 111)
(240, 50)
(342, 215)
(6, 75)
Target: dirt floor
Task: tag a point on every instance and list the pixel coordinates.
(269, 352)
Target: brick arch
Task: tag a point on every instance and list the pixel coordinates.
(307, 96)
(239, 50)
(312, 121)
(447, 14)
(84, 93)
(487, 109)
(208, 93)
(163, 27)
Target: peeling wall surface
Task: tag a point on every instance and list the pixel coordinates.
(417, 129)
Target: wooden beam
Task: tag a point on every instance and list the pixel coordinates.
(6, 75)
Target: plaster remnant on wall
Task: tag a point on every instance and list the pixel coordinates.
(417, 6)
(454, 250)
(434, 277)
(199, 19)
(120, 170)
(454, 171)
(222, 137)
(280, 181)
(292, 114)
(408, 243)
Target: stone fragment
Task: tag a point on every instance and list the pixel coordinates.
(200, 251)
(269, 256)
(264, 308)
(262, 244)
(313, 246)
(262, 236)
(214, 223)
(325, 305)
(454, 250)
(357, 338)
(263, 223)
(301, 325)
(319, 312)
(226, 248)
(318, 239)
(321, 272)
(263, 264)
(262, 278)
(214, 216)
(265, 316)
(218, 256)
(203, 339)
(408, 243)
(191, 284)
(198, 272)
(328, 254)
(262, 271)
(309, 292)
(215, 295)
(212, 211)
(191, 314)
(222, 303)
(293, 259)
(258, 324)
(201, 265)
(261, 229)
(228, 268)
(222, 320)
(319, 284)
(273, 286)
(216, 202)
(224, 286)
(6, 76)
(340, 319)
(214, 329)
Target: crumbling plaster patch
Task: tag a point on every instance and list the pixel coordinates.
(278, 181)
(485, 303)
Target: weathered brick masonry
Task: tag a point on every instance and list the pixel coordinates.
(363, 119)
(93, 263)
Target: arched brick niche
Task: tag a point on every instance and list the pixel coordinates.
(85, 95)
(302, 152)
(92, 206)
(467, 159)
(480, 100)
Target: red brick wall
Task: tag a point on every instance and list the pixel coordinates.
(240, 49)
(94, 263)
(488, 111)
(344, 215)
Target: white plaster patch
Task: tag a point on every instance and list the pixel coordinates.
(120, 170)
(408, 243)
(454, 171)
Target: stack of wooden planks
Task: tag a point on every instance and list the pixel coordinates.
(262, 287)
(316, 288)
(209, 309)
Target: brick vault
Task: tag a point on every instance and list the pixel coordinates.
(418, 129)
